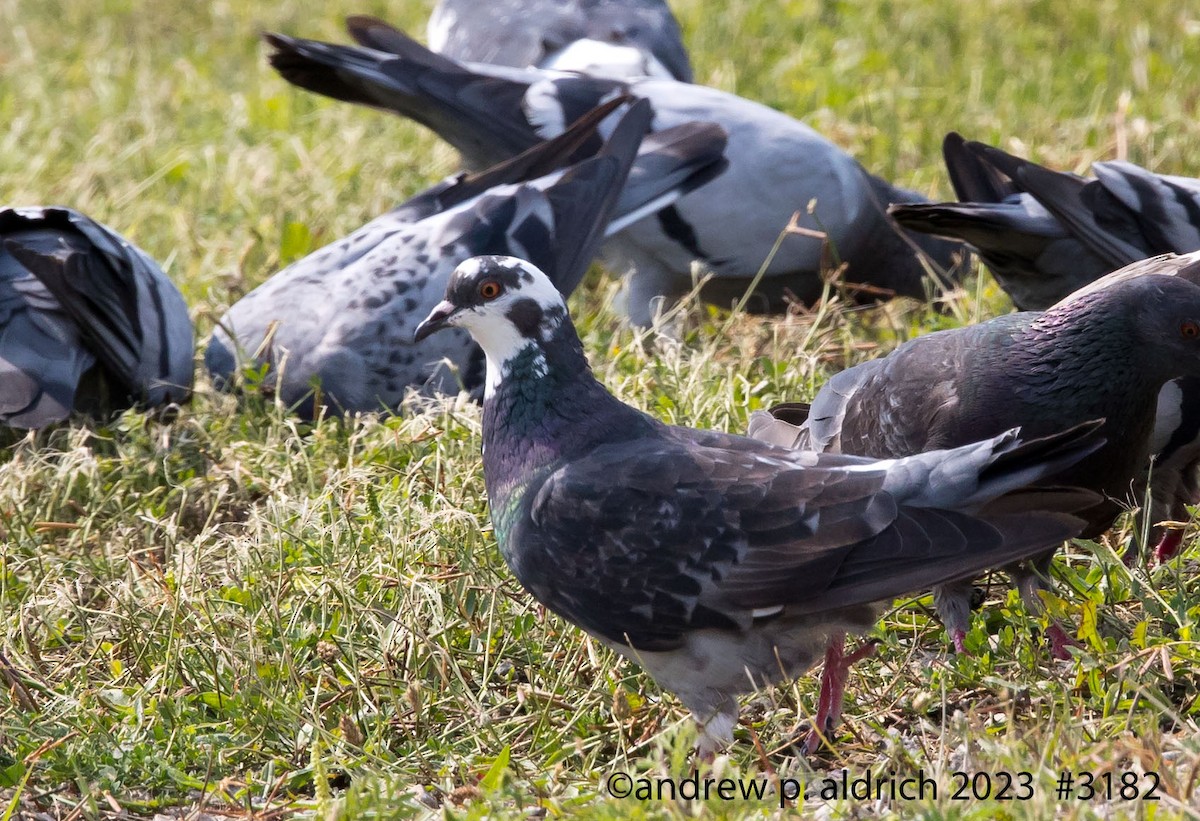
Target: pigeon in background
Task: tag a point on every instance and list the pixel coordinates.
(88, 322)
(608, 38)
(1106, 353)
(777, 167)
(1043, 233)
(717, 562)
(342, 318)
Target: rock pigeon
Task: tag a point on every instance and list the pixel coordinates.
(1173, 474)
(88, 321)
(608, 38)
(717, 562)
(342, 318)
(777, 167)
(1105, 353)
(1043, 233)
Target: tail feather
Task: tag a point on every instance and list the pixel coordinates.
(974, 179)
(580, 141)
(479, 115)
(1064, 195)
(581, 221)
(989, 227)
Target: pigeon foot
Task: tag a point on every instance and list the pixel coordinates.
(1060, 641)
(1168, 546)
(833, 689)
(959, 637)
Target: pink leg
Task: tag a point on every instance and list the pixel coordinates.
(1059, 640)
(833, 689)
(959, 637)
(1168, 546)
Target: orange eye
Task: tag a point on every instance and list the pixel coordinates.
(1189, 329)
(490, 289)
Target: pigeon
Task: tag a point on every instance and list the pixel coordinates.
(88, 322)
(342, 318)
(1173, 475)
(718, 562)
(777, 167)
(1106, 353)
(608, 38)
(1043, 233)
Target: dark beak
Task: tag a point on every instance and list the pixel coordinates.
(435, 321)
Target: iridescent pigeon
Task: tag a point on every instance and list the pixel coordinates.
(1104, 354)
(88, 322)
(777, 167)
(608, 38)
(335, 328)
(717, 562)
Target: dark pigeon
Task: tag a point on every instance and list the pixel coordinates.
(607, 38)
(717, 562)
(343, 317)
(1105, 353)
(777, 167)
(1043, 233)
(88, 322)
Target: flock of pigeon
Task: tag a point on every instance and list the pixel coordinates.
(720, 563)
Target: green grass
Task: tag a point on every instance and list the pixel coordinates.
(239, 613)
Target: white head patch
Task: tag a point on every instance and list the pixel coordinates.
(492, 323)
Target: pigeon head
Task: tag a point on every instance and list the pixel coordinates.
(1168, 318)
(1152, 321)
(506, 304)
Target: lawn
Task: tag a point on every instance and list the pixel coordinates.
(235, 613)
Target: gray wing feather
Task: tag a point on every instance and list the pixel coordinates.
(702, 534)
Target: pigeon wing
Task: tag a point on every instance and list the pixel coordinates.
(657, 538)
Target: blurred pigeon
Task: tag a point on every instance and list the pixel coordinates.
(1105, 353)
(608, 38)
(1043, 233)
(719, 563)
(777, 166)
(343, 317)
(88, 322)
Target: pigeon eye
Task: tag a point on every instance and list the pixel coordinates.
(490, 289)
(1189, 329)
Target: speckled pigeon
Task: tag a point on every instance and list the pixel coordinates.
(1044, 233)
(717, 562)
(608, 38)
(343, 317)
(1105, 353)
(88, 322)
(777, 167)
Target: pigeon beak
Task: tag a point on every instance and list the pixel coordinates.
(438, 318)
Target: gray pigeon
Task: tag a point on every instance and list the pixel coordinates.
(608, 38)
(1105, 353)
(88, 322)
(1043, 233)
(342, 318)
(717, 562)
(777, 167)
(1173, 475)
